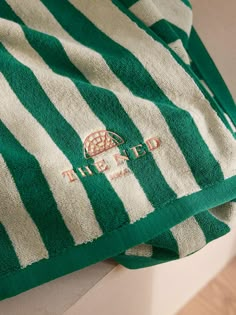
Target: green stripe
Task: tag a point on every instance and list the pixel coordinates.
(195, 70)
(35, 192)
(8, 258)
(182, 127)
(108, 109)
(129, 3)
(164, 247)
(165, 240)
(180, 33)
(162, 255)
(7, 13)
(211, 227)
(164, 31)
(110, 213)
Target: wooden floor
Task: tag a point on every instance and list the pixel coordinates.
(218, 297)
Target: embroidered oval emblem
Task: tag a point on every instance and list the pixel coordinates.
(100, 141)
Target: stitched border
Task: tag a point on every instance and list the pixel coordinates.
(157, 209)
(117, 241)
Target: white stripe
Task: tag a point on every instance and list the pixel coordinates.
(19, 226)
(178, 47)
(146, 11)
(89, 62)
(189, 236)
(226, 213)
(176, 12)
(67, 99)
(142, 250)
(207, 88)
(178, 86)
(72, 200)
(74, 108)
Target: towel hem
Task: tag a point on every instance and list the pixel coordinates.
(115, 242)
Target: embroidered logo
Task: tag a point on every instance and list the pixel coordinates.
(113, 165)
(100, 141)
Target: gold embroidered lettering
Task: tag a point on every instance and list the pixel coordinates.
(119, 174)
(101, 166)
(138, 150)
(153, 143)
(86, 171)
(105, 140)
(70, 175)
(121, 158)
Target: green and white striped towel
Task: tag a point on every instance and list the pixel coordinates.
(117, 138)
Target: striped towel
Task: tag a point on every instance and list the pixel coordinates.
(117, 138)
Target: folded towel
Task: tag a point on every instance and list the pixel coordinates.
(117, 135)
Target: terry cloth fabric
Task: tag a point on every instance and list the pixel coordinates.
(117, 138)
